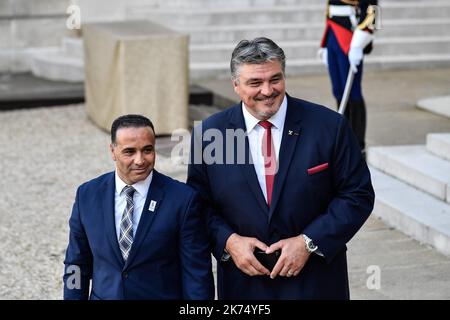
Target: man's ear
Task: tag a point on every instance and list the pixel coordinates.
(235, 86)
(113, 155)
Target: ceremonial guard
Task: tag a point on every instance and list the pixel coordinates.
(348, 36)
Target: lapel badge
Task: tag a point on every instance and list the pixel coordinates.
(152, 206)
(290, 132)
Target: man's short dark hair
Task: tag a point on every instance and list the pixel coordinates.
(129, 121)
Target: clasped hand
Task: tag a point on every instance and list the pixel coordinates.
(291, 261)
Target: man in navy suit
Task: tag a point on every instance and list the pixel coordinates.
(285, 186)
(136, 233)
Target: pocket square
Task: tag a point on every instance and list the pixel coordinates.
(318, 168)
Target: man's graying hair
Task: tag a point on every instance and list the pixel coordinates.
(256, 51)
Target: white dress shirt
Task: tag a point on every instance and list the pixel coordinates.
(255, 136)
(139, 197)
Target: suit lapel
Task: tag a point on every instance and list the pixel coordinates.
(291, 134)
(155, 193)
(107, 199)
(248, 169)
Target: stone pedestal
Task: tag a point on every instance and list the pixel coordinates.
(136, 67)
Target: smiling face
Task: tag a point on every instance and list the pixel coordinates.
(134, 153)
(261, 87)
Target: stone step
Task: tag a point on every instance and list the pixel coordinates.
(19, 34)
(26, 8)
(228, 16)
(32, 32)
(439, 144)
(221, 70)
(73, 47)
(415, 213)
(415, 166)
(186, 4)
(310, 31)
(437, 105)
(411, 61)
(55, 64)
(232, 15)
(418, 45)
(308, 49)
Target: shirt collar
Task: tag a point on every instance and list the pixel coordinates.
(277, 119)
(141, 187)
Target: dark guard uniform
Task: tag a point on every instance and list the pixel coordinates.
(349, 34)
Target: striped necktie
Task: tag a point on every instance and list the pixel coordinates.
(126, 224)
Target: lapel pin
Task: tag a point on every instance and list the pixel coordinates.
(290, 132)
(152, 206)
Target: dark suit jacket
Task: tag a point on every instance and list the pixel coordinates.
(169, 258)
(322, 189)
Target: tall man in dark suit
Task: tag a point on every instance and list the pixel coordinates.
(136, 233)
(293, 187)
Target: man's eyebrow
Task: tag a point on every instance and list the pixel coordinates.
(253, 79)
(279, 74)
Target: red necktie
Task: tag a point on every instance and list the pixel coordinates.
(270, 161)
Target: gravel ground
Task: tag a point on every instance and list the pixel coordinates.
(45, 154)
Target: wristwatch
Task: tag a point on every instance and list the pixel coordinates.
(310, 246)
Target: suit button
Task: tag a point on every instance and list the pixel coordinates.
(125, 275)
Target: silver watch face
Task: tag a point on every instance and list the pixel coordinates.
(311, 246)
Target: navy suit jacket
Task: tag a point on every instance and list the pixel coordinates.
(169, 258)
(322, 189)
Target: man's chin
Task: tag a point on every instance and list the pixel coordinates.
(268, 112)
(140, 175)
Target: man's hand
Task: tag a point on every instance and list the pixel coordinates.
(322, 53)
(355, 56)
(292, 259)
(241, 250)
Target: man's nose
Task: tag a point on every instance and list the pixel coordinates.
(139, 159)
(267, 89)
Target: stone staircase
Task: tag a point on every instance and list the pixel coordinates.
(413, 33)
(412, 186)
(437, 105)
(28, 25)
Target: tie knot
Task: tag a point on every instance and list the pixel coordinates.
(129, 191)
(265, 124)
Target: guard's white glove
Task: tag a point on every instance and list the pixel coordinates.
(360, 40)
(355, 55)
(322, 53)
